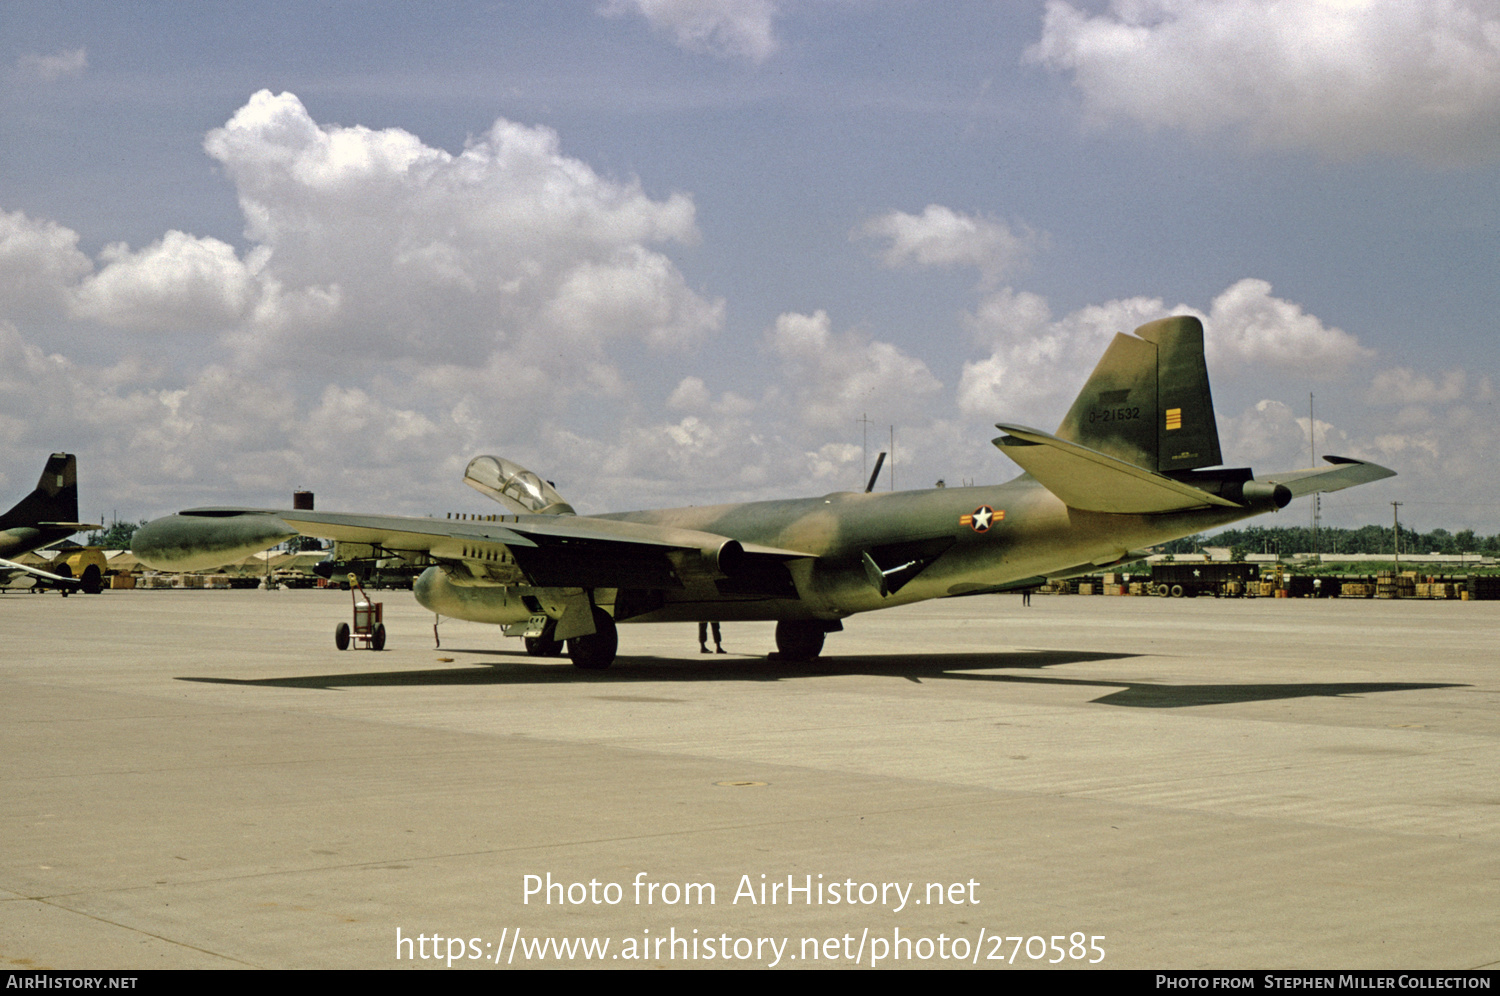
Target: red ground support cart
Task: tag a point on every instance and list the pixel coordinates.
(368, 626)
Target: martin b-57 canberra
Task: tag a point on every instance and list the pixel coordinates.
(1135, 462)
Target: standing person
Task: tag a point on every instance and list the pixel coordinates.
(703, 638)
(1025, 596)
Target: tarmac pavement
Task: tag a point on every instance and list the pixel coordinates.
(199, 779)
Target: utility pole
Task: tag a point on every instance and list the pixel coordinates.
(1312, 454)
(1396, 533)
(864, 464)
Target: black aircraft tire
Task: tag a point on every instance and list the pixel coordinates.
(341, 636)
(377, 639)
(543, 646)
(799, 640)
(596, 651)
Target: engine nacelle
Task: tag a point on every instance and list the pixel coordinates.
(437, 591)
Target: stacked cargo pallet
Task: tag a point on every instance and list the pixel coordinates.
(1484, 587)
(1391, 585)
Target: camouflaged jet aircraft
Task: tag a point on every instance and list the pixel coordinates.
(40, 519)
(1135, 462)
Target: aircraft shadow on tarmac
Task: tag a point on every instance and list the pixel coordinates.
(515, 668)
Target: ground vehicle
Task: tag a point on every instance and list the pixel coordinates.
(1202, 578)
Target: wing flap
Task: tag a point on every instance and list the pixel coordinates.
(1091, 481)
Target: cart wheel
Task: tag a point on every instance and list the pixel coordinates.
(341, 636)
(377, 639)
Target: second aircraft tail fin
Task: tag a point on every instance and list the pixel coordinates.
(55, 500)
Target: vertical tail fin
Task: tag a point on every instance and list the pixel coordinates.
(1148, 401)
(55, 498)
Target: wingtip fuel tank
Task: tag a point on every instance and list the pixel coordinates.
(204, 538)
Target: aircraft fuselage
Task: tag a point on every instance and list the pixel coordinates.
(950, 541)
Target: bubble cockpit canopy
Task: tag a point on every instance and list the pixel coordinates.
(515, 487)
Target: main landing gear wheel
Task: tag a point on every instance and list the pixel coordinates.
(799, 639)
(596, 651)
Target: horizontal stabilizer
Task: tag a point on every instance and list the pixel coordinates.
(1345, 473)
(1091, 481)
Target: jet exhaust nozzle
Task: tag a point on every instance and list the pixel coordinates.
(1264, 492)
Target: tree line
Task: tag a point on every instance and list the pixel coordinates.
(1333, 540)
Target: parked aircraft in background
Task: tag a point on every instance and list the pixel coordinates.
(1135, 462)
(47, 515)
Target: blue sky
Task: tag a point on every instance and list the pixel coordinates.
(671, 251)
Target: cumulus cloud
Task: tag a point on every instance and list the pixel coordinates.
(397, 304)
(834, 379)
(1248, 325)
(431, 254)
(400, 308)
(178, 282)
(39, 265)
(1038, 364)
(68, 62)
(1404, 386)
(725, 28)
(1412, 78)
(940, 237)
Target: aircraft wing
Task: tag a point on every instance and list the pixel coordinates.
(11, 573)
(1345, 473)
(1091, 481)
(553, 551)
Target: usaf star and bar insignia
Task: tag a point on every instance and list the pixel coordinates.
(981, 518)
